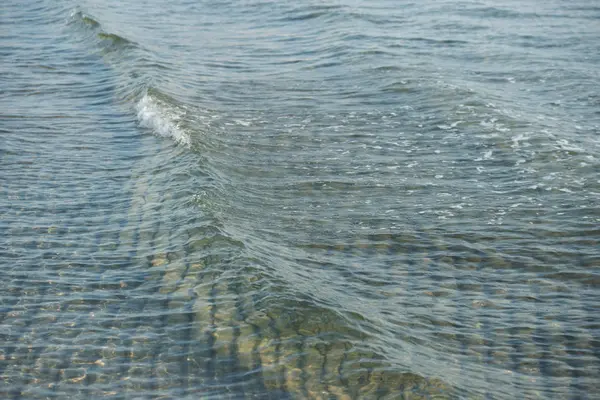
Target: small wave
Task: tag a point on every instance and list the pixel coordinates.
(152, 114)
(105, 39)
(155, 110)
(78, 15)
(115, 39)
(88, 20)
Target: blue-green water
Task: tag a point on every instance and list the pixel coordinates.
(299, 200)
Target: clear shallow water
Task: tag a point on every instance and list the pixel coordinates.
(316, 200)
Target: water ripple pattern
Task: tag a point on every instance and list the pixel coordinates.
(257, 199)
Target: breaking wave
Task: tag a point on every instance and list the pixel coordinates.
(161, 119)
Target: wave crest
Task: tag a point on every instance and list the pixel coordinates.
(162, 119)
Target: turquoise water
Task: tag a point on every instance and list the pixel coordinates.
(313, 200)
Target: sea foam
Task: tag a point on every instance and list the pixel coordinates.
(162, 119)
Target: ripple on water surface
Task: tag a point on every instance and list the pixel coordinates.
(304, 201)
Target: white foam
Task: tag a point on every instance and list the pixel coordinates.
(161, 119)
(486, 156)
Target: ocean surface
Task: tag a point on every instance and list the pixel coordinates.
(339, 199)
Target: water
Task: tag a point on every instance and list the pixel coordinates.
(283, 200)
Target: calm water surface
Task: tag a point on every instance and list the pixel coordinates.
(300, 200)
